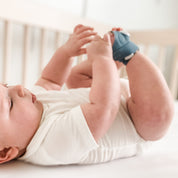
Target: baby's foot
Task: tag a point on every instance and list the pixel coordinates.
(111, 37)
(118, 64)
(112, 34)
(123, 48)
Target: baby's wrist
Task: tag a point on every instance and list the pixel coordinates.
(66, 51)
(99, 58)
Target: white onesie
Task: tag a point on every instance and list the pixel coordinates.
(64, 137)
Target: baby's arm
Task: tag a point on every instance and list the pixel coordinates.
(105, 89)
(58, 69)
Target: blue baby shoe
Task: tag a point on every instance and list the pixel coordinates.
(123, 48)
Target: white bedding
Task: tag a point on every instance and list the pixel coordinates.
(161, 161)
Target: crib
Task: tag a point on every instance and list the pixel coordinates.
(52, 29)
(163, 40)
(29, 36)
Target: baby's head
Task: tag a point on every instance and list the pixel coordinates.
(20, 115)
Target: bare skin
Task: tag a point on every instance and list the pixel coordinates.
(150, 105)
(20, 111)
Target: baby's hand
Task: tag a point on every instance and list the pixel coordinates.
(100, 48)
(80, 36)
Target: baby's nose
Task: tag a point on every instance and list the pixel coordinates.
(20, 90)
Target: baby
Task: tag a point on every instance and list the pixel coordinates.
(100, 117)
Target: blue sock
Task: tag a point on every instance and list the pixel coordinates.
(123, 48)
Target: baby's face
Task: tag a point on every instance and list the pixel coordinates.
(20, 115)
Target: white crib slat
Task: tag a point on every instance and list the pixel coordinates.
(59, 37)
(26, 49)
(174, 76)
(161, 58)
(7, 51)
(42, 49)
(146, 49)
(80, 59)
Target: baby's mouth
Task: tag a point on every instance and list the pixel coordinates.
(33, 98)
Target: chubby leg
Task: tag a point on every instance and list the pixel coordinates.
(151, 104)
(80, 76)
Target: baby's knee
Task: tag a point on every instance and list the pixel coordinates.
(154, 125)
(151, 123)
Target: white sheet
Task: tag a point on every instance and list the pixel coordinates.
(161, 161)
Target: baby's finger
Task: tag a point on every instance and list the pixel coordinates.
(97, 37)
(77, 27)
(84, 28)
(82, 51)
(120, 30)
(117, 29)
(84, 41)
(86, 34)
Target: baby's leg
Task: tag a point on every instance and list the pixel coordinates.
(151, 104)
(80, 76)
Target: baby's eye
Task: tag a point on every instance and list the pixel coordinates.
(11, 104)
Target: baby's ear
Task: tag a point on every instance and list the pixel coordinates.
(8, 154)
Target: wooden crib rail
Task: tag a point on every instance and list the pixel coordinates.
(29, 15)
(42, 16)
(161, 37)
